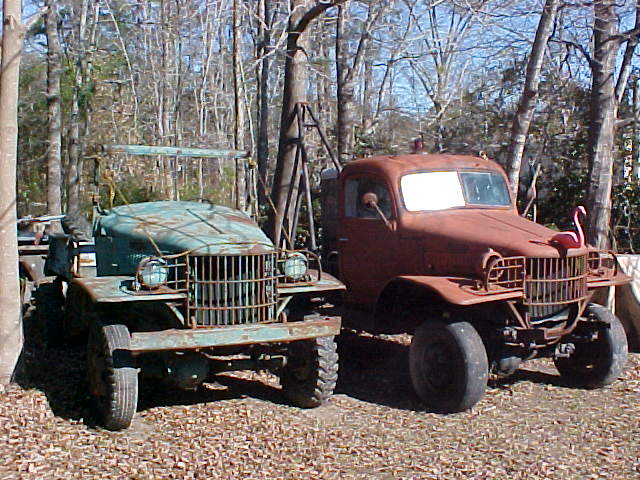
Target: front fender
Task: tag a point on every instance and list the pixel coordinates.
(458, 290)
(116, 289)
(319, 283)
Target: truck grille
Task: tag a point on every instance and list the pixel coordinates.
(231, 289)
(552, 284)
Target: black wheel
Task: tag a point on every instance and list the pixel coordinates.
(598, 363)
(310, 374)
(448, 365)
(49, 301)
(78, 312)
(113, 376)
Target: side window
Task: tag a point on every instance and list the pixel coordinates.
(356, 188)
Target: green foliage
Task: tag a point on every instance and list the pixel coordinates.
(559, 195)
(626, 216)
(131, 190)
(565, 192)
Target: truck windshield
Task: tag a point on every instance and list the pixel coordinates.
(441, 190)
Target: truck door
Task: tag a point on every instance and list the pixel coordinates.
(366, 243)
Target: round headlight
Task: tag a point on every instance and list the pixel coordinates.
(152, 272)
(295, 266)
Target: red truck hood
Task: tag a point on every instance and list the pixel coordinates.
(473, 231)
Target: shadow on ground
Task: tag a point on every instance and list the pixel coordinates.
(533, 376)
(57, 368)
(375, 369)
(221, 387)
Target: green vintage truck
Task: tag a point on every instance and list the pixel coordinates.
(185, 290)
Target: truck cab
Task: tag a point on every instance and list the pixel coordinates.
(433, 245)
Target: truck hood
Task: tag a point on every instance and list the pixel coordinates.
(175, 227)
(474, 231)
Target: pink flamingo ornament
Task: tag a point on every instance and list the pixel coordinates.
(569, 240)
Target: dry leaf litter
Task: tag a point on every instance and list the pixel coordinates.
(527, 427)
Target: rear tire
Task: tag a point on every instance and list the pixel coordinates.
(448, 365)
(113, 376)
(598, 363)
(78, 312)
(310, 374)
(49, 315)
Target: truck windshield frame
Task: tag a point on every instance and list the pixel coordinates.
(445, 189)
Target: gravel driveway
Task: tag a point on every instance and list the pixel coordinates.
(531, 426)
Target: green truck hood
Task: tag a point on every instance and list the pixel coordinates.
(175, 227)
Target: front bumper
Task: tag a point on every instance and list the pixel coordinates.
(192, 339)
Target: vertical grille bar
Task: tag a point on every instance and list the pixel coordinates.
(552, 284)
(231, 289)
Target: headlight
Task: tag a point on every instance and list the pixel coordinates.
(152, 272)
(295, 266)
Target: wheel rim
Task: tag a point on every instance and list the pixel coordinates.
(588, 357)
(437, 369)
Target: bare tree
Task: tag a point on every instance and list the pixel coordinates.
(10, 320)
(287, 174)
(76, 140)
(54, 151)
(239, 106)
(263, 50)
(347, 66)
(604, 110)
(526, 106)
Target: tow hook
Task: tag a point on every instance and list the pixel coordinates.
(564, 350)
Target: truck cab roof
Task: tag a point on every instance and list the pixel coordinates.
(397, 165)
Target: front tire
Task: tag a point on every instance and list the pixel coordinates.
(113, 376)
(448, 365)
(598, 363)
(310, 374)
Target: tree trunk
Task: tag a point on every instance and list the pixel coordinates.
(75, 152)
(344, 92)
(263, 97)
(10, 319)
(346, 68)
(526, 107)
(239, 107)
(54, 154)
(602, 125)
(287, 176)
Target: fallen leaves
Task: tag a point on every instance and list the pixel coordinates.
(373, 428)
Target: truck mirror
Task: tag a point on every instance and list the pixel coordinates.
(370, 200)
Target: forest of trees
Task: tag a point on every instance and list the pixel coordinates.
(546, 83)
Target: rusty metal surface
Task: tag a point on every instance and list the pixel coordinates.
(231, 289)
(32, 265)
(457, 292)
(117, 289)
(124, 236)
(326, 283)
(619, 279)
(183, 339)
(434, 247)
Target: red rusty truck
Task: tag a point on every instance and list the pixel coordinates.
(433, 245)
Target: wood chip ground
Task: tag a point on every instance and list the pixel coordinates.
(530, 426)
